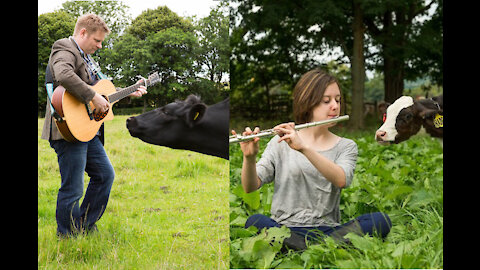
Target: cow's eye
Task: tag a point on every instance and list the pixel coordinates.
(163, 110)
(408, 117)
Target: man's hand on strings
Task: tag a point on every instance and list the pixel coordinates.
(142, 90)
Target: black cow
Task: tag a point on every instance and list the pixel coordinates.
(189, 125)
(405, 117)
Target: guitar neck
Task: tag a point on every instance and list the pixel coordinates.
(125, 92)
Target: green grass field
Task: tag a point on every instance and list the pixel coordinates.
(405, 181)
(173, 209)
(168, 209)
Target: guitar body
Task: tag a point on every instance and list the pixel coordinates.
(78, 124)
(80, 121)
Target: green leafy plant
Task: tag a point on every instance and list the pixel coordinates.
(405, 181)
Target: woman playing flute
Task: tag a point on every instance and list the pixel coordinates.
(309, 168)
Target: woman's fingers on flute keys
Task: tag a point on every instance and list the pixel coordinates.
(285, 128)
(248, 131)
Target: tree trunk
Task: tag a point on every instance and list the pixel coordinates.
(358, 68)
(394, 55)
(393, 77)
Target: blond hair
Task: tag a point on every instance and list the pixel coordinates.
(92, 23)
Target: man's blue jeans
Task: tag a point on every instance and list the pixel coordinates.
(74, 159)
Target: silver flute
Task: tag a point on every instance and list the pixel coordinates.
(271, 132)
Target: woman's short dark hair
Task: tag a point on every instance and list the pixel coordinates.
(308, 93)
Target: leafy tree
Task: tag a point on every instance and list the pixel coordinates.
(51, 27)
(114, 13)
(154, 20)
(408, 45)
(157, 40)
(289, 36)
(426, 54)
(214, 50)
(265, 46)
(282, 40)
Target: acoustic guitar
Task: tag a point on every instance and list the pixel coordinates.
(80, 121)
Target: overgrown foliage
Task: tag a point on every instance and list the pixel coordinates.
(405, 181)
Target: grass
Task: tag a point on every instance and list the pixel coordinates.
(405, 181)
(168, 209)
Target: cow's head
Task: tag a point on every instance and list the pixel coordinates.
(398, 122)
(165, 125)
(405, 117)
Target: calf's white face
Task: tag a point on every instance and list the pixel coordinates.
(387, 132)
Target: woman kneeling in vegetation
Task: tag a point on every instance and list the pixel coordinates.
(310, 167)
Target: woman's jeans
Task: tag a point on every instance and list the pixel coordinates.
(74, 159)
(373, 223)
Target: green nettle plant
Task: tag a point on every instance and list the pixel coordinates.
(405, 181)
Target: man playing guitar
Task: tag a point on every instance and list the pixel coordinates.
(72, 67)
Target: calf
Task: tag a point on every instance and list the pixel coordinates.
(405, 117)
(189, 125)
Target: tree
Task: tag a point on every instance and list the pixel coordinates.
(157, 40)
(284, 39)
(401, 38)
(213, 50)
(426, 54)
(51, 27)
(265, 46)
(399, 35)
(114, 13)
(358, 66)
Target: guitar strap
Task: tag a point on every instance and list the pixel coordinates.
(94, 69)
(49, 89)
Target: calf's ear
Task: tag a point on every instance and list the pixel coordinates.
(430, 114)
(195, 114)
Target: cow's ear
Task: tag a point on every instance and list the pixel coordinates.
(430, 114)
(195, 114)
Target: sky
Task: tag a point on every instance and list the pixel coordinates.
(183, 8)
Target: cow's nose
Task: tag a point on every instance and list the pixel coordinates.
(131, 122)
(380, 134)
